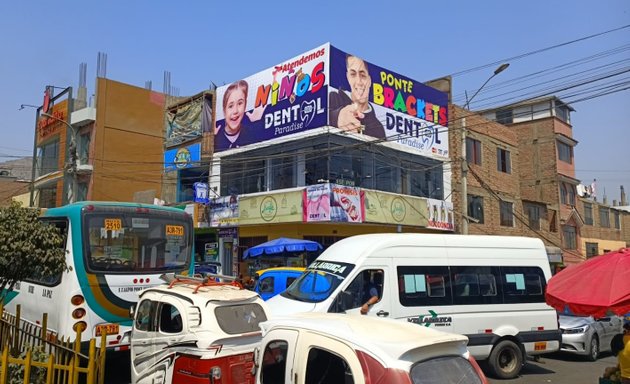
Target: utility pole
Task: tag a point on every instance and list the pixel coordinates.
(464, 179)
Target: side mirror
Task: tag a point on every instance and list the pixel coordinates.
(255, 365)
(132, 311)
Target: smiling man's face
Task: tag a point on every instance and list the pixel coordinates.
(359, 80)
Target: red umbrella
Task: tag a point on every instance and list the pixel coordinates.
(593, 287)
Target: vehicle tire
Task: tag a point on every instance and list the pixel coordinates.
(593, 349)
(505, 360)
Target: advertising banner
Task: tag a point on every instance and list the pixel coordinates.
(316, 206)
(347, 204)
(184, 157)
(283, 207)
(183, 122)
(224, 211)
(288, 98)
(380, 103)
(440, 215)
(391, 208)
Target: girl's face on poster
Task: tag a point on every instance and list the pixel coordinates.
(235, 109)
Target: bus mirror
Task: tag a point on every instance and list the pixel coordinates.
(132, 311)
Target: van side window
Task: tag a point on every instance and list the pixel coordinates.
(323, 367)
(424, 285)
(170, 319)
(366, 284)
(523, 284)
(145, 315)
(274, 362)
(475, 285)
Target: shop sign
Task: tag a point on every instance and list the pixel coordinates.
(390, 208)
(440, 215)
(285, 207)
(224, 211)
(228, 233)
(184, 157)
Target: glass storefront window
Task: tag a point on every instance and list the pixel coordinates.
(336, 161)
(48, 158)
(241, 176)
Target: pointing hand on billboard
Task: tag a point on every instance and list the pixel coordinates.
(350, 118)
(256, 113)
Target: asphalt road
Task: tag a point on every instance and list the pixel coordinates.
(561, 368)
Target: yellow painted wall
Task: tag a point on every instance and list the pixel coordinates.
(298, 231)
(602, 245)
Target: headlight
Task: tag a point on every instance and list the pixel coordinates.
(582, 329)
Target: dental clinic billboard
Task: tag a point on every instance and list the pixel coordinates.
(326, 86)
(377, 102)
(285, 99)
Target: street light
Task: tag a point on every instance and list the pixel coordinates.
(464, 181)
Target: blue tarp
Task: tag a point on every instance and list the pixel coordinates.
(282, 245)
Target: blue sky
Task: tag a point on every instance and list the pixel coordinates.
(201, 42)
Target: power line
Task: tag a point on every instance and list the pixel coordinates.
(517, 57)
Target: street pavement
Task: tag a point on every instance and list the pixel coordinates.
(561, 368)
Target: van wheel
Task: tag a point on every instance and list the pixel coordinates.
(505, 360)
(593, 352)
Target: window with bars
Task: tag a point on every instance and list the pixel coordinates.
(506, 214)
(565, 152)
(604, 218)
(617, 220)
(569, 237)
(475, 208)
(473, 151)
(503, 161)
(588, 214)
(533, 214)
(592, 249)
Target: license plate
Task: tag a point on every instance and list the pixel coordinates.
(540, 346)
(108, 329)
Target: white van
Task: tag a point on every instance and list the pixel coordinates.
(489, 288)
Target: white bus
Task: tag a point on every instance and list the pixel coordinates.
(113, 251)
(489, 288)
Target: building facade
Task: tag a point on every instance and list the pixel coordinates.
(323, 146)
(109, 151)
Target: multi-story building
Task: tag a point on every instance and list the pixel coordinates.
(606, 228)
(109, 150)
(320, 147)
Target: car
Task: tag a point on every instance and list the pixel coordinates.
(196, 330)
(587, 336)
(332, 348)
(272, 281)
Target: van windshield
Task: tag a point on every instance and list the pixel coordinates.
(318, 282)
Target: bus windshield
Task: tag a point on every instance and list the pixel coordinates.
(130, 242)
(318, 282)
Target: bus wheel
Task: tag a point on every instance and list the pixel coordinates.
(505, 360)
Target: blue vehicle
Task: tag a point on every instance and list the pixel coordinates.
(272, 281)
